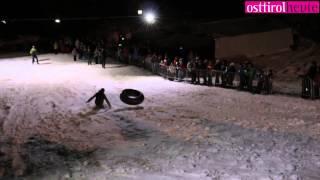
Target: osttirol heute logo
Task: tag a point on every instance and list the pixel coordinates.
(282, 7)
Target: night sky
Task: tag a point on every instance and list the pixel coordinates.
(105, 8)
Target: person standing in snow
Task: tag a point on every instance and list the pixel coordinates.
(55, 47)
(189, 68)
(197, 69)
(102, 58)
(209, 70)
(317, 82)
(181, 69)
(89, 56)
(308, 80)
(218, 73)
(203, 70)
(231, 71)
(261, 81)
(33, 53)
(251, 73)
(192, 70)
(77, 44)
(96, 55)
(224, 73)
(242, 74)
(268, 82)
(74, 54)
(100, 98)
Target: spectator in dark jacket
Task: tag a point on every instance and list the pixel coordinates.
(218, 73)
(224, 69)
(74, 54)
(209, 70)
(308, 89)
(197, 69)
(243, 79)
(251, 73)
(192, 70)
(230, 74)
(268, 82)
(317, 82)
(204, 72)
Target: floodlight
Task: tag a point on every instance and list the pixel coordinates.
(150, 18)
(57, 20)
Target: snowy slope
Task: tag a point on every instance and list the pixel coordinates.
(181, 131)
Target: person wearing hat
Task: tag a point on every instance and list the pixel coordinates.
(33, 53)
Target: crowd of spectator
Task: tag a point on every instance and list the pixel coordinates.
(201, 71)
(191, 68)
(94, 52)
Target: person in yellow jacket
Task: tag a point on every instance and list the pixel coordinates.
(55, 47)
(33, 53)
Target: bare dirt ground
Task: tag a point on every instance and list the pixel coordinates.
(287, 66)
(181, 131)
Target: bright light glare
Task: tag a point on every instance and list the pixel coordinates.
(4, 21)
(57, 20)
(140, 12)
(150, 18)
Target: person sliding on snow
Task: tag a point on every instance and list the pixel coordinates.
(100, 97)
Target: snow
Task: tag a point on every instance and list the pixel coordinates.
(181, 131)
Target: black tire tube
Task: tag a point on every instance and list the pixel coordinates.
(131, 97)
